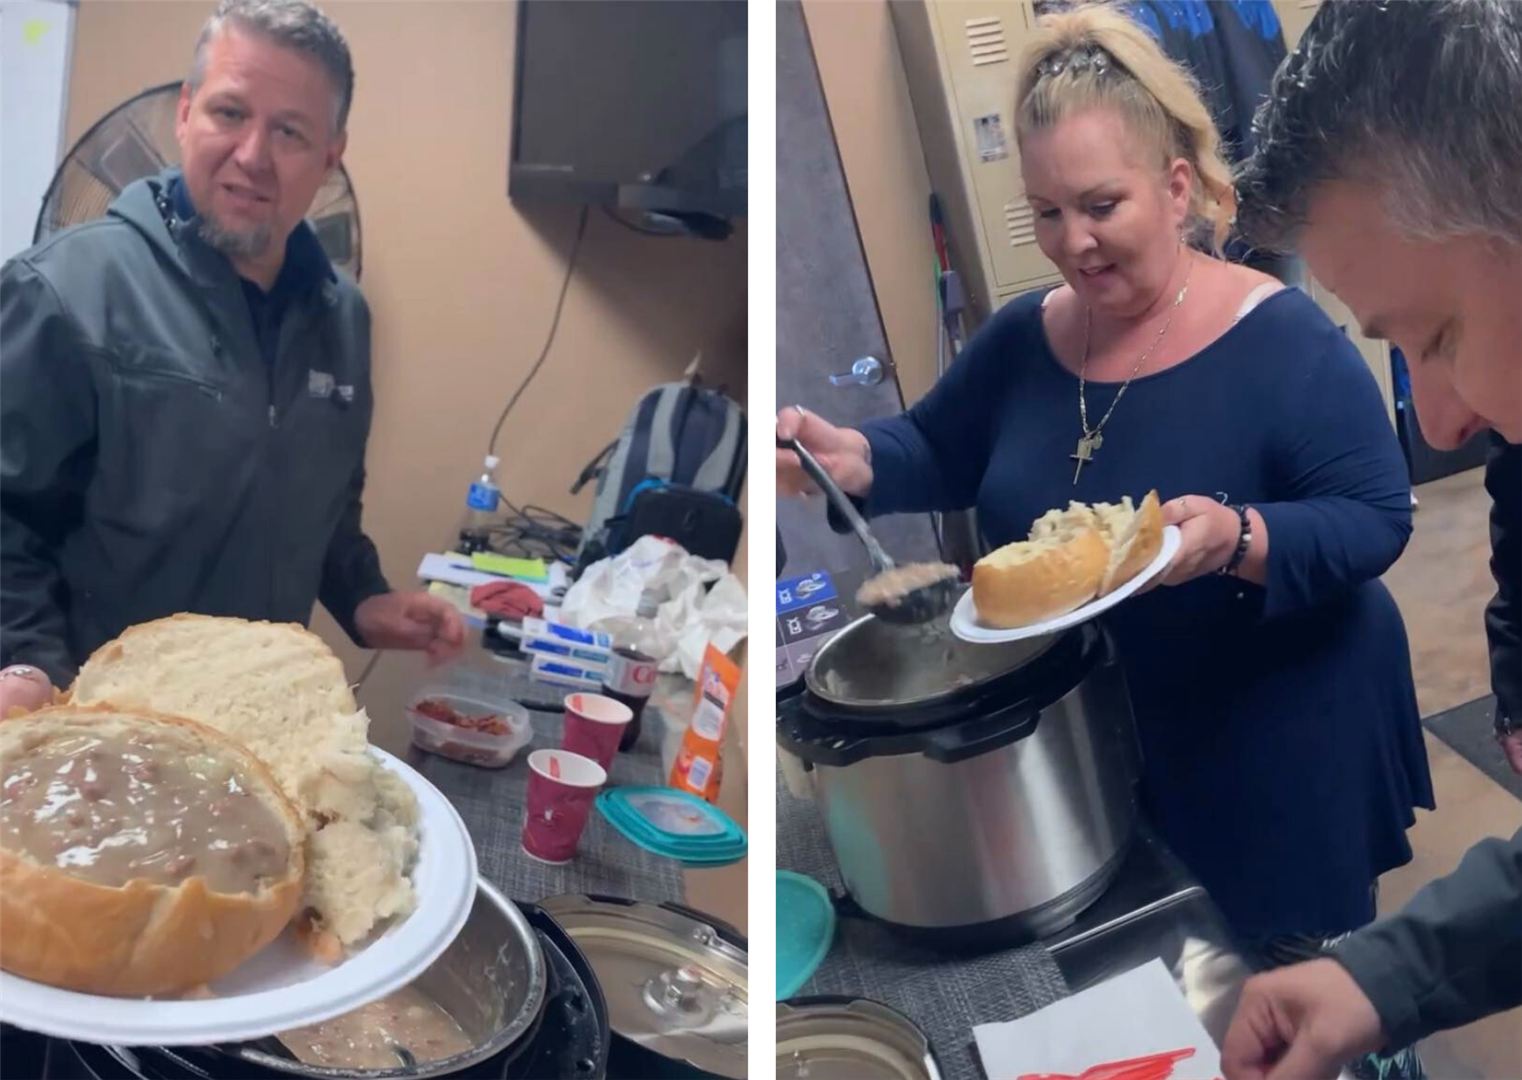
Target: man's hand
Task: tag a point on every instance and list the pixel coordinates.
(1300, 1023)
(23, 689)
(411, 620)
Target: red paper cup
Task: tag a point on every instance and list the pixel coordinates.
(593, 726)
(561, 787)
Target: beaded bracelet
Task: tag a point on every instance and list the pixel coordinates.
(1244, 541)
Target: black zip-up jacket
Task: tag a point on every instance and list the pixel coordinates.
(152, 460)
(1454, 953)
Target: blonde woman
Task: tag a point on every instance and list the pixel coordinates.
(1272, 683)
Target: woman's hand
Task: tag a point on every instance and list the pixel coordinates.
(1210, 533)
(843, 452)
(23, 689)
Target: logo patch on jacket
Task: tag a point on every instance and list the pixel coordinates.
(320, 384)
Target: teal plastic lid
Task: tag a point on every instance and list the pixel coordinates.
(675, 824)
(805, 930)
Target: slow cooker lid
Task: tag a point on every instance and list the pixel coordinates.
(877, 666)
(850, 1039)
(674, 984)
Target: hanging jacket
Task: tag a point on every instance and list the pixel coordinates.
(1232, 47)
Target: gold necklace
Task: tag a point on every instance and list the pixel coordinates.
(1092, 439)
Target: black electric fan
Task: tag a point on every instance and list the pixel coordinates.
(136, 139)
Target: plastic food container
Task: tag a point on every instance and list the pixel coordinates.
(449, 724)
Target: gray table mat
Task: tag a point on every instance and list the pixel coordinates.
(492, 802)
(945, 995)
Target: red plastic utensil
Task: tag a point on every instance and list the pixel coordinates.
(1151, 1067)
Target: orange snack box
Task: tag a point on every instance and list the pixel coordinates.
(698, 767)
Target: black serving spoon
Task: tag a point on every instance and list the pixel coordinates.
(932, 587)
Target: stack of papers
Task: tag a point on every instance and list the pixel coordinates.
(1134, 1015)
(483, 569)
(530, 570)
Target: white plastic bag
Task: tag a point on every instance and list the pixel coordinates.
(607, 597)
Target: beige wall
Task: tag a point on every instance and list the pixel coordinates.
(462, 282)
(868, 98)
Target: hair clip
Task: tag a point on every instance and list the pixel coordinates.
(1082, 59)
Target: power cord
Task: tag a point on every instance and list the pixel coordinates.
(535, 533)
(570, 268)
(363, 675)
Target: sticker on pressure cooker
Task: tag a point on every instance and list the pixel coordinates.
(800, 592)
(801, 653)
(820, 620)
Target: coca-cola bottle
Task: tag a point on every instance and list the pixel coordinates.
(630, 675)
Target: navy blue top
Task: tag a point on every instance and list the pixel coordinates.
(1282, 744)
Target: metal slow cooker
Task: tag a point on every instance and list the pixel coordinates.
(514, 979)
(972, 794)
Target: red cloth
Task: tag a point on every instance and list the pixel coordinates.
(510, 600)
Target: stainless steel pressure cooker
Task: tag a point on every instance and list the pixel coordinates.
(972, 794)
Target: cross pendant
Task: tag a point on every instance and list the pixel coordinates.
(1087, 445)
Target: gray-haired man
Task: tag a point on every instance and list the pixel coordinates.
(185, 384)
(1390, 154)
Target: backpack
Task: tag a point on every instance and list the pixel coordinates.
(675, 470)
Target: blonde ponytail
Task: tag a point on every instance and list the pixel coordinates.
(1095, 55)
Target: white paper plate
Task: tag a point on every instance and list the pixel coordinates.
(964, 617)
(283, 987)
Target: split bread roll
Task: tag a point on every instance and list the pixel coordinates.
(1072, 556)
(1133, 534)
(280, 691)
(1035, 580)
(139, 854)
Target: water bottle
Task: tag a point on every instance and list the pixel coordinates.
(480, 510)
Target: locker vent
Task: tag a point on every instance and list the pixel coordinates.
(985, 41)
(1020, 223)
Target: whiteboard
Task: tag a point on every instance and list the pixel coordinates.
(36, 44)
